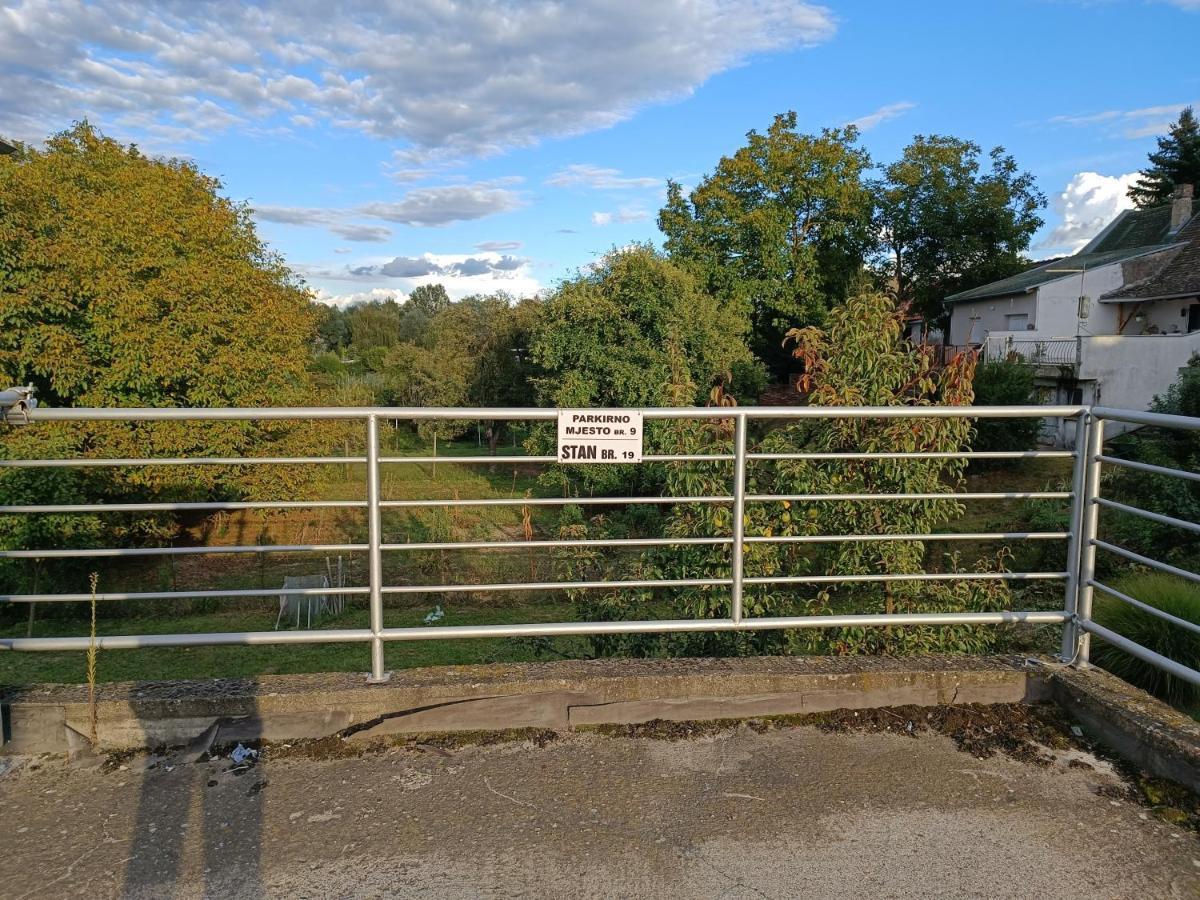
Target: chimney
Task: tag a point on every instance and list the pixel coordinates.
(1181, 206)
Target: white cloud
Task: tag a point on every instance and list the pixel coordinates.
(461, 274)
(1088, 203)
(1146, 121)
(355, 297)
(881, 115)
(624, 215)
(598, 178)
(434, 206)
(461, 79)
(498, 246)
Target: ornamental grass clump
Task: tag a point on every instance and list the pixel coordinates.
(1166, 593)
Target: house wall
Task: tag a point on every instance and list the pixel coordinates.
(990, 313)
(1130, 370)
(1058, 304)
(1163, 314)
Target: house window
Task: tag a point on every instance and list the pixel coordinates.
(1194, 318)
(1016, 321)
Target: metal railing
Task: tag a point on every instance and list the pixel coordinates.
(1034, 352)
(1078, 574)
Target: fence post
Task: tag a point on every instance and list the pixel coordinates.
(1071, 631)
(1087, 537)
(739, 516)
(374, 553)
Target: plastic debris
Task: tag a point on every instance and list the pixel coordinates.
(436, 616)
(240, 754)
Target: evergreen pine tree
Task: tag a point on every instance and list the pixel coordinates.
(1177, 161)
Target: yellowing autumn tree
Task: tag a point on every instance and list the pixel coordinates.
(127, 280)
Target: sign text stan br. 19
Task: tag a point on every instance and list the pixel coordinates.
(599, 436)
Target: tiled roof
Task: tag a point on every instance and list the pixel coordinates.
(1133, 233)
(1179, 277)
(1031, 278)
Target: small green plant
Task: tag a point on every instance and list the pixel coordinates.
(93, 717)
(1170, 595)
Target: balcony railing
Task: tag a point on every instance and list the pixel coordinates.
(1035, 352)
(1078, 574)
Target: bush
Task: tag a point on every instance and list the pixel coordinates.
(1171, 595)
(1005, 383)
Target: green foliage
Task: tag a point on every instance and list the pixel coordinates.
(1004, 383)
(1163, 592)
(861, 360)
(1177, 161)
(129, 281)
(779, 229)
(947, 225)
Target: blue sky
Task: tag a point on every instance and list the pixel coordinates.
(502, 145)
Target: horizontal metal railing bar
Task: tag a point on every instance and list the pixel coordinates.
(1161, 420)
(180, 461)
(215, 639)
(548, 501)
(1147, 514)
(178, 595)
(145, 414)
(1147, 561)
(1146, 607)
(62, 508)
(179, 551)
(553, 585)
(649, 457)
(969, 495)
(958, 454)
(550, 544)
(922, 576)
(544, 629)
(866, 538)
(1143, 653)
(1149, 467)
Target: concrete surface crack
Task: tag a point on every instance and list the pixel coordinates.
(488, 785)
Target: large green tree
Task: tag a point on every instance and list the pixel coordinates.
(127, 280)
(1177, 161)
(951, 220)
(780, 229)
(130, 281)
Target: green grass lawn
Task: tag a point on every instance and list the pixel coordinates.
(162, 664)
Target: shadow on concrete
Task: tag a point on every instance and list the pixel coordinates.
(201, 790)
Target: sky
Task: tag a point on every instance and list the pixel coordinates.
(502, 146)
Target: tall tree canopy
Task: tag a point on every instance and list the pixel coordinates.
(611, 336)
(781, 228)
(129, 281)
(949, 224)
(1177, 161)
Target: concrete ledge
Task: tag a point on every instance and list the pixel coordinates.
(554, 695)
(1155, 737)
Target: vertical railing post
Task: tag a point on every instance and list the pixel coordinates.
(739, 516)
(1070, 636)
(374, 553)
(1087, 537)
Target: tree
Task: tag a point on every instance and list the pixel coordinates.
(780, 229)
(130, 281)
(1177, 161)
(607, 337)
(1004, 383)
(949, 225)
(429, 299)
(860, 359)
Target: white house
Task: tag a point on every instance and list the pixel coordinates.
(1111, 325)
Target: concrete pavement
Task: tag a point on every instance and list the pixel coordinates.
(788, 812)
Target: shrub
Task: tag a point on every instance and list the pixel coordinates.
(1171, 595)
(1004, 383)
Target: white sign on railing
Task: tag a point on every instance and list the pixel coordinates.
(599, 436)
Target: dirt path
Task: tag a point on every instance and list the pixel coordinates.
(793, 812)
